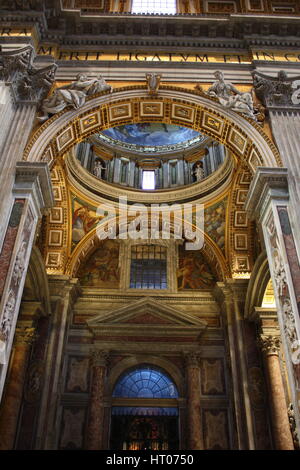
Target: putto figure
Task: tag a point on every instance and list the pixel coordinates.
(73, 95)
(153, 81)
(230, 97)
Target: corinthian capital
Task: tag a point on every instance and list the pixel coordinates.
(270, 345)
(25, 335)
(99, 358)
(280, 91)
(192, 359)
(28, 83)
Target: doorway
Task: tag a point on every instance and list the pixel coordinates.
(145, 411)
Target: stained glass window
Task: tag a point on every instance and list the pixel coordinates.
(154, 6)
(145, 382)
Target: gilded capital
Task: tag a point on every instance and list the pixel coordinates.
(270, 345)
(192, 359)
(99, 358)
(25, 335)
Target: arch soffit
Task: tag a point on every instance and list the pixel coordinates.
(259, 279)
(173, 105)
(137, 360)
(39, 278)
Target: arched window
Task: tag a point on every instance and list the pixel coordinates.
(145, 382)
(149, 419)
(154, 6)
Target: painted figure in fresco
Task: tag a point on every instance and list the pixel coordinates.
(231, 97)
(214, 223)
(82, 223)
(193, 273)
(102, 268)
(73, 94)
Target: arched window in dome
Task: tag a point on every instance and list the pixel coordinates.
(154, 6)
(145, 382)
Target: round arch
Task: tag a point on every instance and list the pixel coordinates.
(174, 105)
(259, 279)
(137, 360)
(38, 280)
(90, 242)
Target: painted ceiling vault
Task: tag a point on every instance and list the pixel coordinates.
(152, 134)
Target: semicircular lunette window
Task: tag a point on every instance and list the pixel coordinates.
(145, 382)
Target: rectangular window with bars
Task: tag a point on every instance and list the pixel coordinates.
(148, 269)
(154, 6)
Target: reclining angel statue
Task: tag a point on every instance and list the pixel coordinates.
(230, 97)
(73, 94)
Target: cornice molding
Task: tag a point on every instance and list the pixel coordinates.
(267, 184)
(226, 31)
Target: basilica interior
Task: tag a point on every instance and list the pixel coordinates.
(149, 214)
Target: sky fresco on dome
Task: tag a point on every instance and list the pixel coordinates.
(151, 133)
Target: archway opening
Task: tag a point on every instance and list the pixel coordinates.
(145, 410)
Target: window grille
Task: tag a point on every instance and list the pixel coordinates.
(148, 268)
(154, 6)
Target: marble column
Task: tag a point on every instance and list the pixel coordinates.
(9, 413)
(230, 295)
(279, 415)
(268, 202)
(195, 437)
(32, 193)
(284, 115)
(64, 291)
(96, 411)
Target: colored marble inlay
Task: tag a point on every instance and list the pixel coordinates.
(9, 240)
(290, 251)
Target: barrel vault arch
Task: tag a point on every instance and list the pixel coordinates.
(174, 105)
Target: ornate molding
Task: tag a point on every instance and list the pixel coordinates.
(29, 84)
(191, 108)
(267, 183)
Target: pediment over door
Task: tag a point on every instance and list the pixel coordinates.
(147, 321)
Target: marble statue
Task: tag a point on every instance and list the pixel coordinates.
(98, 169)
(74, 94)
(199, 173)
(230, 97)
(153, 81)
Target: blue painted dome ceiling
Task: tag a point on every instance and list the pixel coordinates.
(151, 137)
